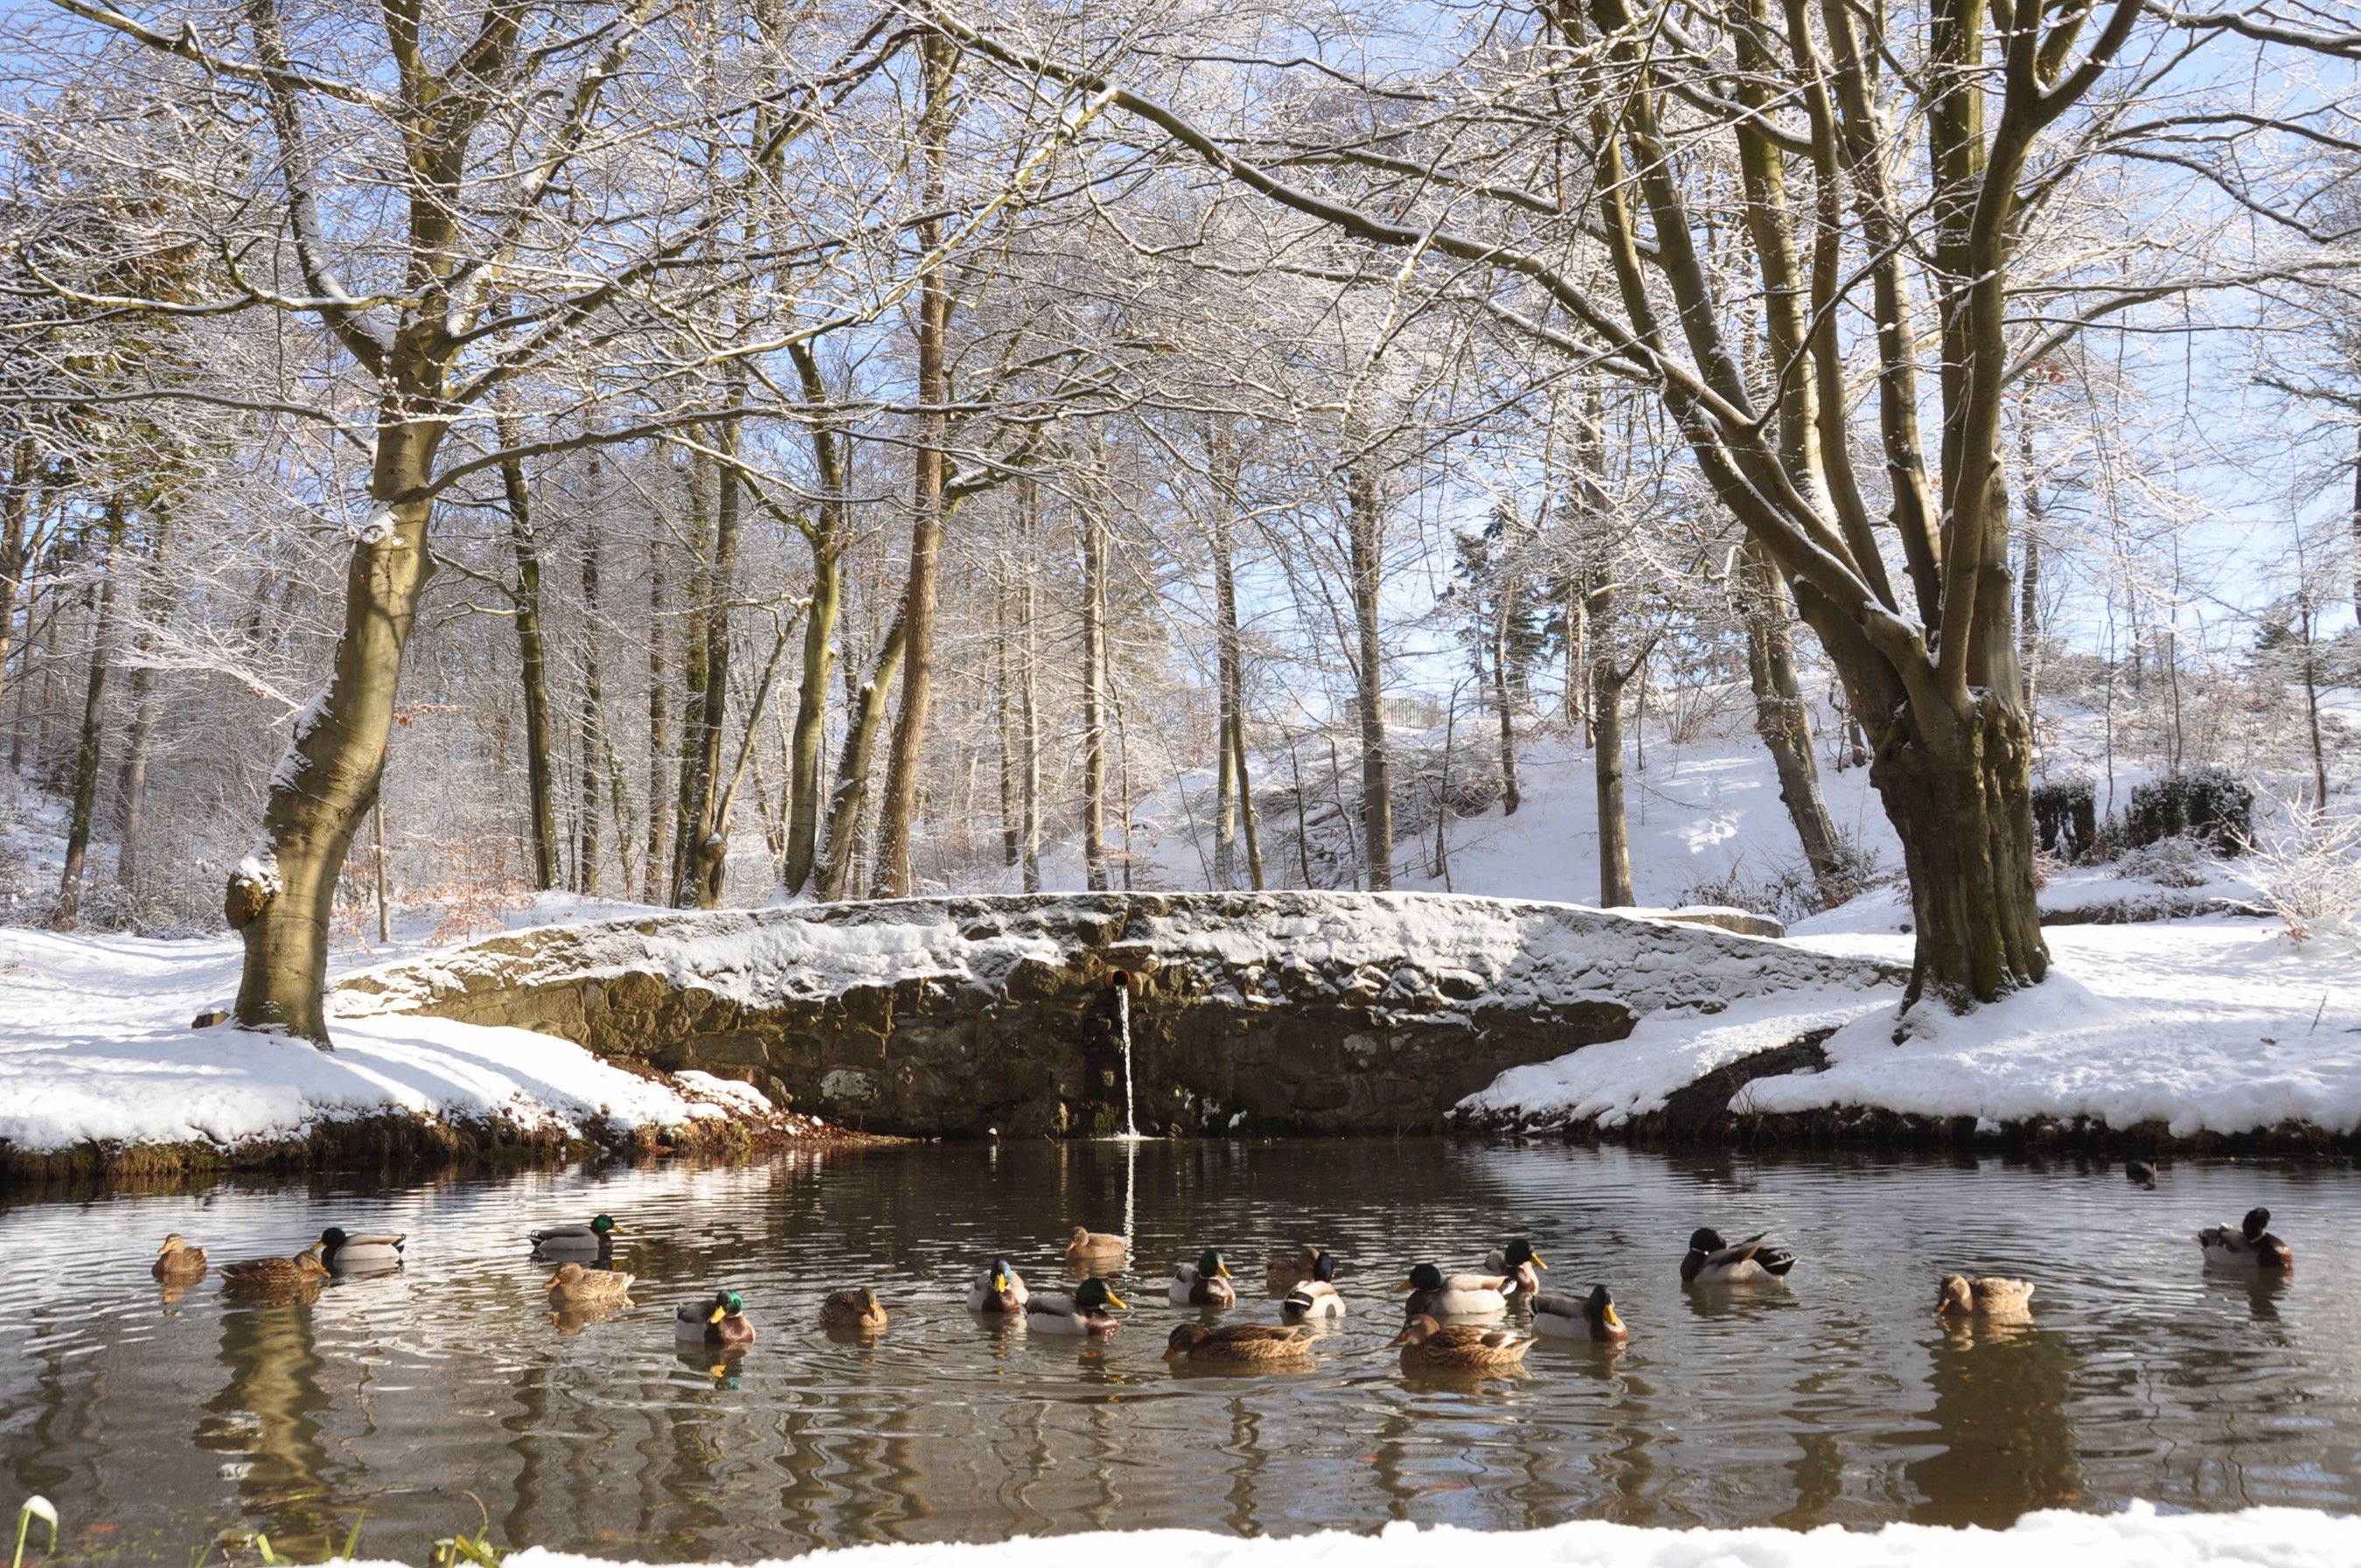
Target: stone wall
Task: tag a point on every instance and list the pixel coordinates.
(1282, 1011)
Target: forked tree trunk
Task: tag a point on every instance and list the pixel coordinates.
(281, 896)
(805, 779)
(1961, 801)
(851, 795)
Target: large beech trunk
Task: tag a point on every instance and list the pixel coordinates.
(541, 801)
(1960, 795)
(1366, 527)
(282, 895)
(851, 799)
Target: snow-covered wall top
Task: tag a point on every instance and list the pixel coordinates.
(1311, 1011)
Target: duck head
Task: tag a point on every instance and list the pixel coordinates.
(1600, 1308)
(1520, 1252)
(1706, 1239)
(333, 1237)
(1096, 1296)
(603, 1226)
(1953, 1296)
(1211, 1266)
(1324, 1267)
(1425, 1276)
(2256, 1222)
(1184, 1338)
(566, 1278)
(1418, 1331)
(172, 1242)
(1003, 1272)
(726, 1304)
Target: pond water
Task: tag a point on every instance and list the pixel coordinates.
(398, 1400)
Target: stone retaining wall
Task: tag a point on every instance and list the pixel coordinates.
(1282, 1011)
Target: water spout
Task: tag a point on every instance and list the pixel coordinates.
(1121, 982)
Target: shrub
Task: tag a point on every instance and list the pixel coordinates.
(2208, 804)
(2065, 817)
(2307, 869)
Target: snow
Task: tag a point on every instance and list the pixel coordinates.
(2140, 1537)
(95, 1044)
(2215, 1025)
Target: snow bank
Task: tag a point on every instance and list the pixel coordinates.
(95, 1046)
(2139, 1538)
(2215, 1025)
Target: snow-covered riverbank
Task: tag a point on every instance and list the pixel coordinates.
(2216, 1025)
(100, 1069)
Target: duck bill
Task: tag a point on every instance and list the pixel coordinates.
(1223, 1269)
(1405, 1287)
(1606, 1315)
(1539, 1264)
(717, 1315)
(1116, 1300)
(1171, 1354)
(1000, 1282)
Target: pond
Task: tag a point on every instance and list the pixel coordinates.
(399, 1400)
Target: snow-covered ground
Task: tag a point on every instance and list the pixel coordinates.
(95, 1044)
(2213, 1024)
(2139, 1538)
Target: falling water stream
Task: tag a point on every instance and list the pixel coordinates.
(1123, 1030)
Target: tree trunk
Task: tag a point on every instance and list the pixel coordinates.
(937, 57)
(131, 786)
(1502, 609)
(1004, 716)
(1961, 801)
(1093, 702)
(541, 798)
(282, 895)
(1029, 713)
(1784, 719)
(698, 752)
(2357, 523)
(851, 796)
(1607, 677)
(16, 554)
(1366, 524)
(594, 743)
(806, 780)
(659, 741)
(68, 912)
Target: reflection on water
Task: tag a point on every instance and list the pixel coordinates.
(157, 1420)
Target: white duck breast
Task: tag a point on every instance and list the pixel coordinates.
(998, 1289)
(1312, 1299)
(359, 1255)
(1192, 1289)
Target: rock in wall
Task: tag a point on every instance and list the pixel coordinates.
(1277, 1012)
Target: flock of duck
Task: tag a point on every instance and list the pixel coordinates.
(1433, 1334)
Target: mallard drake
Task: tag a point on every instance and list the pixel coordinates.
(275, 1276)
(1084, 1313)
(999, 1288)
(1712, 1262)
(1516, 1264)
(1236, 1343)
(1316, 1297)
(1458, 1347)
(856, 1309)
(1434, 1294)
(1092, 1248)
(2247, 1244)
(574, 1287)
(1289, 1270)
(178, 1263)
(570, 1241)
(2139, 1173)
(358, 1254)
(1992, 1300)
(722, 1320)
(1205, 1283)
(1591, 1317)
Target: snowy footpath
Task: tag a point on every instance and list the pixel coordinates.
(95, 1046)
(2209, 1026)
(2139, 1538)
